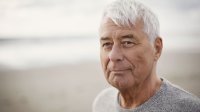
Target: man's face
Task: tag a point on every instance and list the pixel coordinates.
(127, 56)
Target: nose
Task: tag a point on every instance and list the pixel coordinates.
(115, 54)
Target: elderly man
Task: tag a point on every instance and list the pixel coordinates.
(130, 47)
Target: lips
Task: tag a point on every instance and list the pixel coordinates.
(119, 70)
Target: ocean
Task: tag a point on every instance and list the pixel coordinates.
(37, 52)
(25, 53)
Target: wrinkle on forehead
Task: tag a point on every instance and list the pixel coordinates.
(106, 20)
(108, 23)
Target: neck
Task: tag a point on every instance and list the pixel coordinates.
(135, 96)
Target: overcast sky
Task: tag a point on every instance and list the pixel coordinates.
(53, 18)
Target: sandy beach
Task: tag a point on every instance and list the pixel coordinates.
(73, 87)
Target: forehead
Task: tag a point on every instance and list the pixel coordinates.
(109, 29)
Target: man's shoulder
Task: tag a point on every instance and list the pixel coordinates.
(186, 102)
(182, 99)
(105, 99)
(180, 93)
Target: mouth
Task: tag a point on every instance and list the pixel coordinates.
(118, 71)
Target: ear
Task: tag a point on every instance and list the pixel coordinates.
(158, 45)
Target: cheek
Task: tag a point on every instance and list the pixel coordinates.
(144, 62)
(104, 63)
(135, 57)
(141, 60)
(104, 60)
(148, 56)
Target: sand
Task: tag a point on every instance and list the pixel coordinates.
(73, 87)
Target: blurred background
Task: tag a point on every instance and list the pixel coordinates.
(49, 52)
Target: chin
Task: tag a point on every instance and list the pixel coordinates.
(120, 85)
(120, 81)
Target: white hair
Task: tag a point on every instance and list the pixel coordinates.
(126, 12)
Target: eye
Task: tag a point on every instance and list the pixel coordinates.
(128, 43)
(107, 45)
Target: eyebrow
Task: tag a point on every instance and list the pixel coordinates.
(131, 36)
(104, 38)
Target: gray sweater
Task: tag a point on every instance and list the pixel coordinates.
(169, 98)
